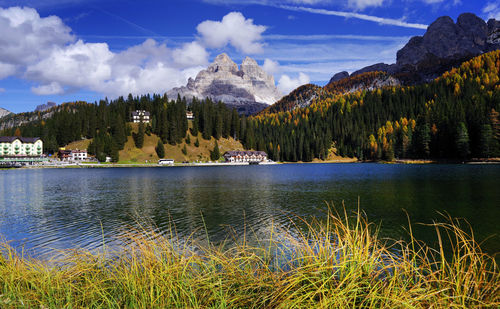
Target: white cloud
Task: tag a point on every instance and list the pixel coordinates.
(2, 90)
(52, 88)
(308, 1)
(77, 65)
(148, 67)
(286, 84)
(432, 1)
(190, 54)
(25, 37)
(362, 4)
(270, 66)
(234, 29)
(492, 10)
(269, 2)
(6, 70)
(380, 20)
(43, 50)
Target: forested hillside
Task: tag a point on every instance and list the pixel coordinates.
(455, 116)
(106, 123)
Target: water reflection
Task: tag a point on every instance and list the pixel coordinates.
(62, 208)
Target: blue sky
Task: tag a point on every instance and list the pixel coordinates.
(67, 50)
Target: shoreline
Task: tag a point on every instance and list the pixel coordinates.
(205, 164)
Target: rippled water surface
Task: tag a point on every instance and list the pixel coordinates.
(47, 209)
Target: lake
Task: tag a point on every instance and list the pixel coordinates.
(46, 209)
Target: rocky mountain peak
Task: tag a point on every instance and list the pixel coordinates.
(249, 62)
(444, 45)
(448, 40)
(474, 28)
(44, 107)
(4, 112)
(248, 88)
(339, 76)
(223, 63)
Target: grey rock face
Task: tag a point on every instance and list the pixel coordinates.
(474, 28)
(493, 32)
(339, 76)
(44, 107)
(378, 67)
(444, 39)
(4, 112)
(247, 86)
(445, 44)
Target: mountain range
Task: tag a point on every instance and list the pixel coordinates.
(445, 45)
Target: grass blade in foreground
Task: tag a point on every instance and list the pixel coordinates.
(332, 264)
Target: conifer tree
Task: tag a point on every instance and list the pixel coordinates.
(462, 141)
(115, 154)
(139, 137)
(486, 140)
(235, 124)
(215, 154)
(160, 149)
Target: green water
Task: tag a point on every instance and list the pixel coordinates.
(48, 209)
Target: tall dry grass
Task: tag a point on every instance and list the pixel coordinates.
(338, 263)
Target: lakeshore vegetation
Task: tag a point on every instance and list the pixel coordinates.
(336, 263)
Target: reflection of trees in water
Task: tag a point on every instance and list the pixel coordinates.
(65, 208)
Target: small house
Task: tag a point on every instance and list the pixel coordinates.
(140, 116)
(79, 155)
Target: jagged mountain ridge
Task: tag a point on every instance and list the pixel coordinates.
(248, 88)
(445, 44)
(44, 107)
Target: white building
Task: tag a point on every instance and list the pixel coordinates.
(245, 156)
(140, 114)
(16, 146)
(78, 155)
